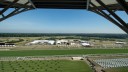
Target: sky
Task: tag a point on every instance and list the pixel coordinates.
(59, 21)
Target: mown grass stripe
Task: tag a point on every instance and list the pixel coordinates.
(61, 52)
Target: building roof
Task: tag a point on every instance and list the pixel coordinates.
(66, 4)
(20, 1)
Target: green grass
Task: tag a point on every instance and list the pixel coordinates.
(61, 52)
(44, 66)
(120, 69)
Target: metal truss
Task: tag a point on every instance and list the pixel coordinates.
(112, 16)
(16, 7)
(124, 5)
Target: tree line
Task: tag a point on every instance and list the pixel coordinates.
(70, 35)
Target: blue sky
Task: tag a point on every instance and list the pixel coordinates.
(59, 21)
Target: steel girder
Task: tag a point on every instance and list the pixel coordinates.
(15, 6)
(102, 10)
(124, 5)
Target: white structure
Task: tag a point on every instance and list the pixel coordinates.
(121, 43)
(77, 58)
(85, 44)
(20, 58)
(7, 45)
(72, 43)
(43, 41)
(61, 41)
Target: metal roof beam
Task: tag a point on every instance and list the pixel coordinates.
(7, 7)
(124, 5)
(58, 0)
(112, 13)
(32, 4)
(102, 13)
(61, 4)
(88, 4)
(61, 7)
(16, 11)
(5, 3)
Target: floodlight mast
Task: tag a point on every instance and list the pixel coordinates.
(100, 7)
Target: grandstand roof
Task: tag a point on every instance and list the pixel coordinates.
(105, 8)
(63, 4)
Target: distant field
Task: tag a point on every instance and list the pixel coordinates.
(44, 66)
(61, 52)
(121, 69)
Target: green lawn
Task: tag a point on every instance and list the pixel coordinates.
(61, 52)
(44, 66)
(120, 69)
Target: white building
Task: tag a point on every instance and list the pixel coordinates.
(72, 43)
(7, 45)
(121, 43)
(62, 41)
(85, 44)
(77, 58)
(51, 42)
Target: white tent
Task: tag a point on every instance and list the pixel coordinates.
(43, 41)
(61, 41)
(85, 44)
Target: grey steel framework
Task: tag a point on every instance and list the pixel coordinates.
(104, 8)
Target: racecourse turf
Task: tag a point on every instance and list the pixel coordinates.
(61, 52)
